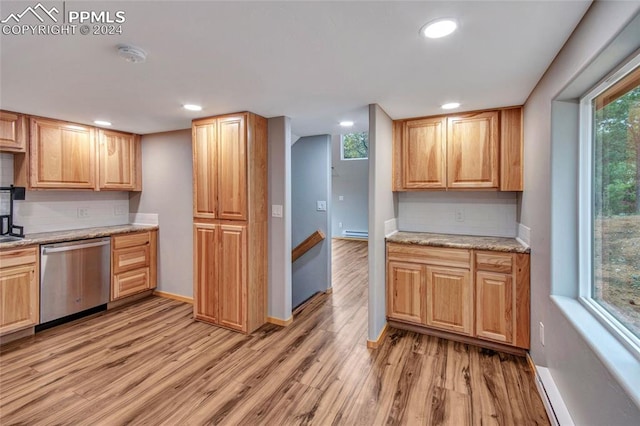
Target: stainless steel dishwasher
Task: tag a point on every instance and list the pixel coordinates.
(74, 277)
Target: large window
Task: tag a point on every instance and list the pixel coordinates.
(355, 146)
(610, 202)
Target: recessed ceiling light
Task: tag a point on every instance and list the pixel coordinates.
(102, 122)
(346, 123)
(192, 107)
(450, 105)
(438, 28)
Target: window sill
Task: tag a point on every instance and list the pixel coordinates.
(618, 360)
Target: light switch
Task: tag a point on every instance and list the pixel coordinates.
(341, 198)
(276, 210)
(321, 206)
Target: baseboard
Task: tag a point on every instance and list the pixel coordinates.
(375, 344)
(350, 238)
(280, 322)
(551, 398)
(16, 335)
(173, 296)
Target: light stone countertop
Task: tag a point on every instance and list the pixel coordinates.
(75, 234)
(509, 245)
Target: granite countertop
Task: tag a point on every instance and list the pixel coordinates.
(75, 234)
(510, 245)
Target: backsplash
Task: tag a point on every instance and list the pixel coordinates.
(465, 213)
(44, 211)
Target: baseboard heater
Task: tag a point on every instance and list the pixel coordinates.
(355, 234)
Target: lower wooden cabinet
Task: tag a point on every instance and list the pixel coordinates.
(449, 299)
(406, 292)
(19, 290)
(478, 294)
(133, 263)
(227, 291)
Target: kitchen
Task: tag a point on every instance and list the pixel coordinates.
(167, 158)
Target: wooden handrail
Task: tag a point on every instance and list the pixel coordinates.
(306, 245)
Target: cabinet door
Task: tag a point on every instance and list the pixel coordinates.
(19, 302)
(424, 154)
(63, 155)
(494, 306)
(449, 299)
(406, 292)
(473, 143)
(204, 135)
(13, 132)
(232, 286)
(232, 168)
(205, 272)
(118, 160)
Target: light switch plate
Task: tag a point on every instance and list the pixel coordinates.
(341, 198)
(276, 210)
(321, 206)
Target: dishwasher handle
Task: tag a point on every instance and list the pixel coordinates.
(47, 250)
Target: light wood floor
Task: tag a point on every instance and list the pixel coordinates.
(150, 363)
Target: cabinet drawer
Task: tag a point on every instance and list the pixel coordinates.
(494, 262)
(16, 257)
(457, 258)
(130, 240)
(131, 282)
(130, 258)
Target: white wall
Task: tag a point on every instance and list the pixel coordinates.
(167, 190)
(382, 213)
(45, 211)
(310, 182)
(350, 179)
(279, 293)
(484, 213)
(548, 208)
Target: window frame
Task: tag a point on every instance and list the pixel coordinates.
(342, 135)
(585, 213)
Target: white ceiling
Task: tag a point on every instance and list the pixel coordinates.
(316, 62)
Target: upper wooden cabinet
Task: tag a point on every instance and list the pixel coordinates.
(13, 132)
(220, 167)
(120, 161)
(478, 150)
(62, 155)
(423, 153)
(472, 151)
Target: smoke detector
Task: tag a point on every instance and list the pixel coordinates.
(131, 53)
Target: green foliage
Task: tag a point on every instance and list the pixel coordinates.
(616, 146)
(355, 145)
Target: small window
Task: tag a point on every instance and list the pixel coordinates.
(610, 232)
(355, 146)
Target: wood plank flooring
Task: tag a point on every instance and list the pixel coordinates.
(150, 363)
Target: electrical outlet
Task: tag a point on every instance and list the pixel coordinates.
(119, 211)
(321, 206)
(541, 333)
(459, 215)
(83, 212)
(339, 224)
(340, 197)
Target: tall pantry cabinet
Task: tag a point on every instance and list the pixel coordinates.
(230, 220)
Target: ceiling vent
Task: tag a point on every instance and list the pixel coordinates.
(131, 53)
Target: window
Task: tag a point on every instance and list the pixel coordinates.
(355, 146)
(610, 203)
